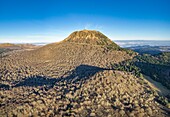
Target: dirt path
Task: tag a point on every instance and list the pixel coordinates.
(157, 86)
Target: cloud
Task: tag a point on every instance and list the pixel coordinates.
(90, 26)
(98, 27)
(87, 26)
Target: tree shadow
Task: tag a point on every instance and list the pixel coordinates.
(4, 86)
(79, 73)
(159, 73)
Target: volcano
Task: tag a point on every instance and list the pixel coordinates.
(74, 77)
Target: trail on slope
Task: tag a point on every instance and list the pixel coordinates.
(157, 86)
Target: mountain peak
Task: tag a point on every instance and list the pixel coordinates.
(89, 37)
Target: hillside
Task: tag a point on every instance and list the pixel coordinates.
(75, 77)
(91, 37)
(155, 66)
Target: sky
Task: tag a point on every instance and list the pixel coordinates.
(31, 21)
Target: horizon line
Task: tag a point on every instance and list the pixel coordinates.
(39, 42)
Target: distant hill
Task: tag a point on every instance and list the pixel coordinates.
(17, 46)
(150, 49)
(7, 45)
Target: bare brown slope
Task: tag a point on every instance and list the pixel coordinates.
(90, 37)
(61, 57)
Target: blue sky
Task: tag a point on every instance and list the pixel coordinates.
(53, 20)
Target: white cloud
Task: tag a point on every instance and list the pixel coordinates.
(98, 27)
(87, 26)
(90, 26)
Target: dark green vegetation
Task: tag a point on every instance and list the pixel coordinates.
(156, 66)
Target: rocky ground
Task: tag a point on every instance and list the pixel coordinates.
(73, 79)
(104, 93)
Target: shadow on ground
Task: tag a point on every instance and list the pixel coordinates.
(79, 73)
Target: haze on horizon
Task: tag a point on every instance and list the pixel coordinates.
(53, 20)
